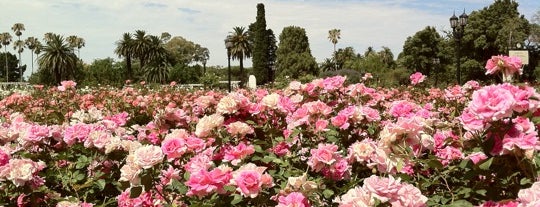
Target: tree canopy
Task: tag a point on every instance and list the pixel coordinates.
(293, 55)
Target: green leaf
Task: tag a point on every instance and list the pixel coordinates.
(258, 148)
(237, 199)
(486, 164)
(135, 192)
(525, 181)
(461, 203)
(481, 192)
(101, 184)
(434, 164)
(327, 193)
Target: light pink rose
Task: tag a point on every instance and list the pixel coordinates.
(356, 197)
(530, 196)
(23, 170)
(148, 156)
(235, 154)
(408, 195)
(208, 123)
(249, 180)
(320, 125)
(417, 78)
(294, 199)
(384, 189)
(477, 157)
(239, 128)
(173, 147)
(227, 105)
(271, 101)
(323, 156)
(200, 184)
(492, 103)
(130, 173)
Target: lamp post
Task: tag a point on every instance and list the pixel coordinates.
(229, 45)
(458, 27)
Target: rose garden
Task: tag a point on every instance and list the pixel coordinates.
(321, 143)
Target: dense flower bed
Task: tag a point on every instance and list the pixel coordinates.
(315, 144)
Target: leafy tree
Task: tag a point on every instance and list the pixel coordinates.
(263, 45)
(491, 31)
(420, 50)
(5, 39)
(185, 74)
(124, 48)
(202, 55)
(12, 64)
(241, 48)
(271, 55)
(182, 51)
(33, 45)
(103, 71)
(58, 59)
(343, 56)
(293, 56)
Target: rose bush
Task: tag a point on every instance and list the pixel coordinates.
(320, 143)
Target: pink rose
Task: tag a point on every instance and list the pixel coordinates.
(294, 199)
(323, 156)
(173, 147)
(249, 180)
(237, 153)
(239, 128)
(355, 197)
(23, 170)
(492, 103)
(384, 189)
(148, 156)
(340, 121)
(417, 78)
(4, 158)
(530, 196)
(320, 125)
(477, 157)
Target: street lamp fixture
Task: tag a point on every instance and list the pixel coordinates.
(458, 27)
(229, 45)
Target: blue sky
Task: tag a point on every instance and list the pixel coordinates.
(363, 23)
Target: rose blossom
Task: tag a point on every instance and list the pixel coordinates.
(130, 173)
(148, 156)
(271, 101)
(384, 189)
(249, 180)
(239, 128)
(173, 147)
(476, 157)
(417, 78)
(23, 170)
(227, 105)
(207, 124)
(356, 197)
(492, 103)
(324, 155)
(294, 199)
(237, 153)
(530, 196)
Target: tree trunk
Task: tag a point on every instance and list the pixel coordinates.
(241, 72)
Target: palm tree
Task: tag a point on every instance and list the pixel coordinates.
(334, 35)
(141, 46)
(241, 48)
(58, 58)
(47, 37)
(32, 44)
(158, 66)
(76, 42)
(19, 44)
(6, 39)
(124, 48)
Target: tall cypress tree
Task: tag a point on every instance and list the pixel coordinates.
(261, 47)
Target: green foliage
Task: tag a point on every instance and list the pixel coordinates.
(210, 80)
(185, 74)
(490, 31)
(264, 44)
(294, 57)
(13, 70)
(353, 76)
(103, 71)
(58, 59)
(420, 50)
